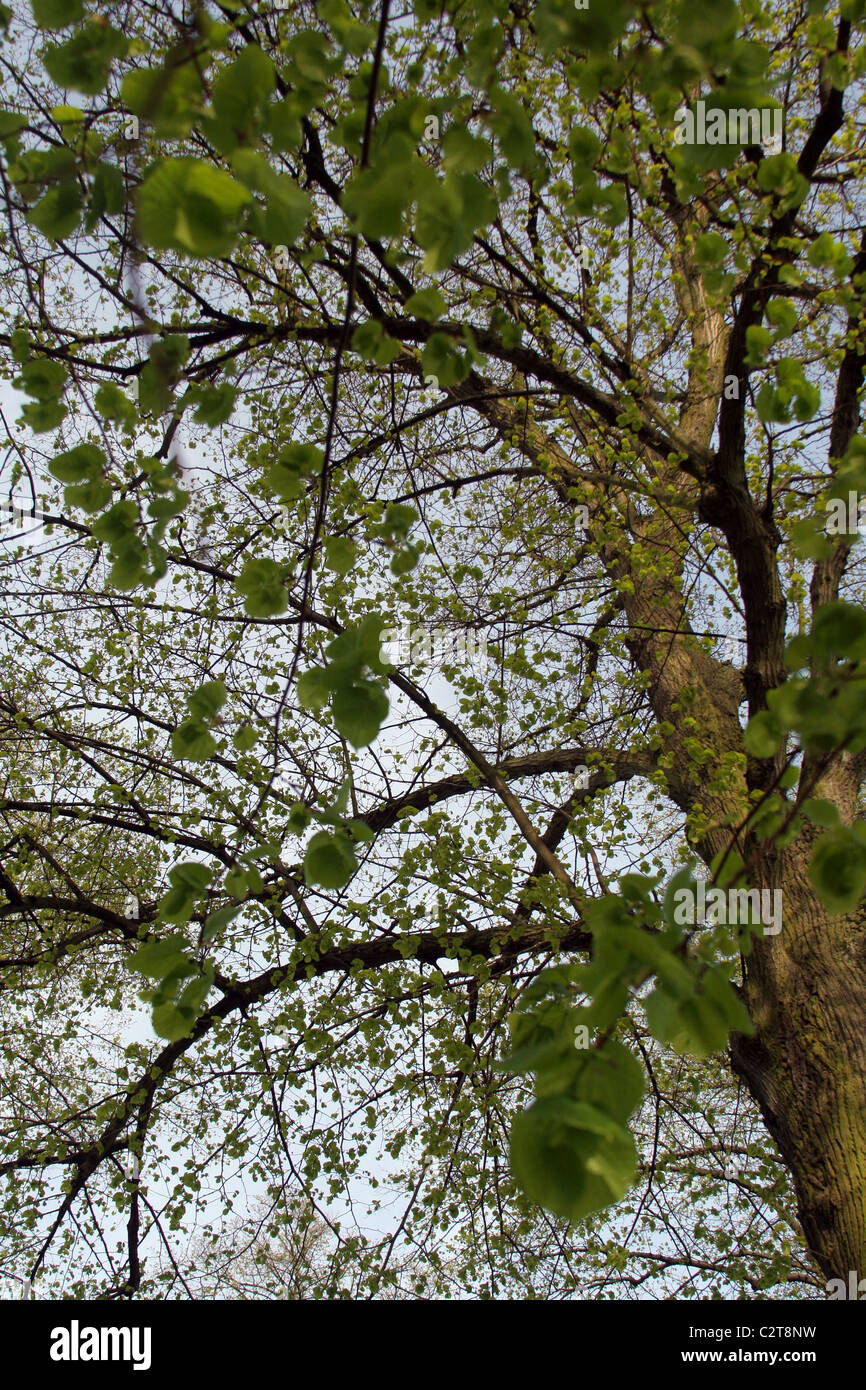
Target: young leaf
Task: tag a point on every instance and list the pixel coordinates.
(329, 860)
(571, 1158)
(340, 554)
(359, 712)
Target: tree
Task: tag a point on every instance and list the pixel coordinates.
(252, 1261)
(269, 1255)
(450, 626)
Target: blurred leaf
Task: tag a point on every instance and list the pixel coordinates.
(329, 860)
(571, 1158)
(359, 712)
(84, 61)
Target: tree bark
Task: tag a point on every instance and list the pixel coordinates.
(806, 1065)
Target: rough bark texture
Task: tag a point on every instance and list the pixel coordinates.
(806, 1066)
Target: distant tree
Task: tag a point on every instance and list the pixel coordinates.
(255, 1257)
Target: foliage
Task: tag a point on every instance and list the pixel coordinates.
(324, 318)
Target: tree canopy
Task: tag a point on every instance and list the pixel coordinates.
(431, 714)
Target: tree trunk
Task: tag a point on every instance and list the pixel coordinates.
(806, 1066)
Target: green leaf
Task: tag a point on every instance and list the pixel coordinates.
(282, 220)
(19, 342)
(764, 735)
(359, 712)
(426, 304)
(154, 396)
(217, 922)
(118, 524)
(444, 360)
(512, 126)
(298, 820)
(57, 14)
(772, 405)
(405, 559)
(84, 61)
(465, 153)
(614, 200)
(611, 1079)
(189, 205)
(711, 249)
(821, 812)
(839, 630)
(584, 147)
(42, 378)
(827, 251)
(838, 868)
(58, 212)
(192, 741)
(128, 570)
(11, 123)
(236, 883)
(361, 831)
(261, 583)
(778, 174)
(354, 37)
(283, 122)
(340, 554)
(571, 1158)
(214, 403)
(171, 1022)
(176, 905)
(690, 1026)
(719, 990)
(296, 463)
(207, 700)
(449, 214)
(245, 738)
(377, 199)
(697, 1022)
(758, 342)
(254, 878)
(194, 994)
(190, 875)
(808, 540)
(170, 97)
(784, 316)
(398, 521)
(314, 688)
(84, 462)
(159, 958)
(107, 194)
(113, 404)
(330, 860)
(91, 496)
(41, 416)
(240, 93)
(358, 646)
(374, 345)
